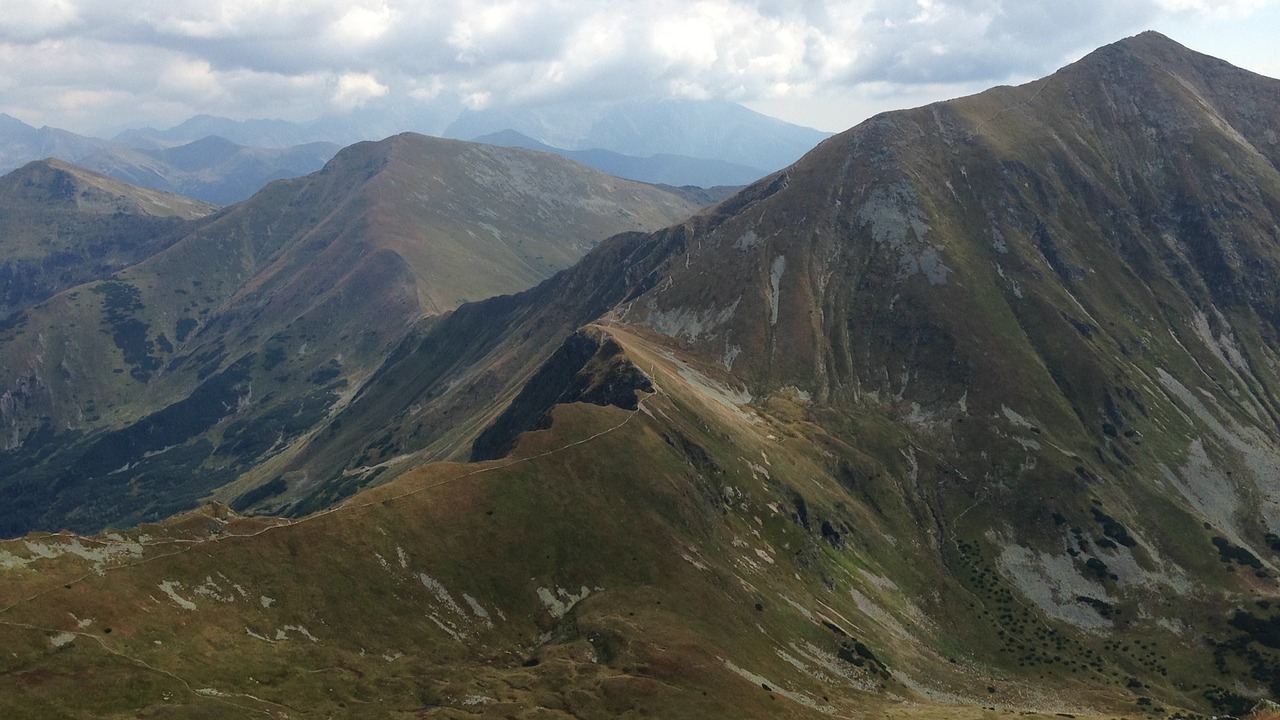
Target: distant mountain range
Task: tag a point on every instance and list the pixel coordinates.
(209, 168)
(703, 129)
(661, 169)
(218, 160)
(212, 168)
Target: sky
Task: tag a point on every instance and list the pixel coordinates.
(97, 66)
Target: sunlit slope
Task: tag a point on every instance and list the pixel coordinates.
(1035, 324)
(685, 558)
(132, 397)
(61, 225)
(969, 413)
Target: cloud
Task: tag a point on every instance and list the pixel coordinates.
(360, 26)
(952, 41)
(27, 20)
(300, 58)
(357, 89)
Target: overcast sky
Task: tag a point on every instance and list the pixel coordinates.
(93, 65)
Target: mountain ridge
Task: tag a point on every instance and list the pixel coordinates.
(968, 412)
(300, 290)
(1064, 428)
(61, 225)
(731, 137)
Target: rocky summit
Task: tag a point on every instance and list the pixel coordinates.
(971, 412)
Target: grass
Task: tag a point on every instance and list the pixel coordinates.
(686, 581)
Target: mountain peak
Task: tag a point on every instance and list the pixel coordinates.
(58, 182)
(1152, 50)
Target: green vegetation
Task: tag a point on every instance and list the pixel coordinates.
(968, 414)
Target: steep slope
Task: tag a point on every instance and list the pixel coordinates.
(561, 582)
(61, 225)
(965, 414)
(451, 376)
(132, 398)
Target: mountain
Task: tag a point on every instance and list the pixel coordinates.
(223, 161)
(212, 168)
(970, 412)
(61, 225)
(21, 143)
(208, 168)
(704, 129)
(378, 120)
(256, 133)
(675, 170)
(133, 397)
(673, 142)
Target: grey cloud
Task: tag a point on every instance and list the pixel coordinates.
(954, 41)
(293, 58)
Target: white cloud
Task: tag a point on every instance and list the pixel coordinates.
(1216, 8)
(357, 89)
(36, 19)
(288, 58)
(362, 25)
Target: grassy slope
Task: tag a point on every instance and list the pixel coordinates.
(693, 562)
(61, 226)
(285, 303)
(942, 493)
